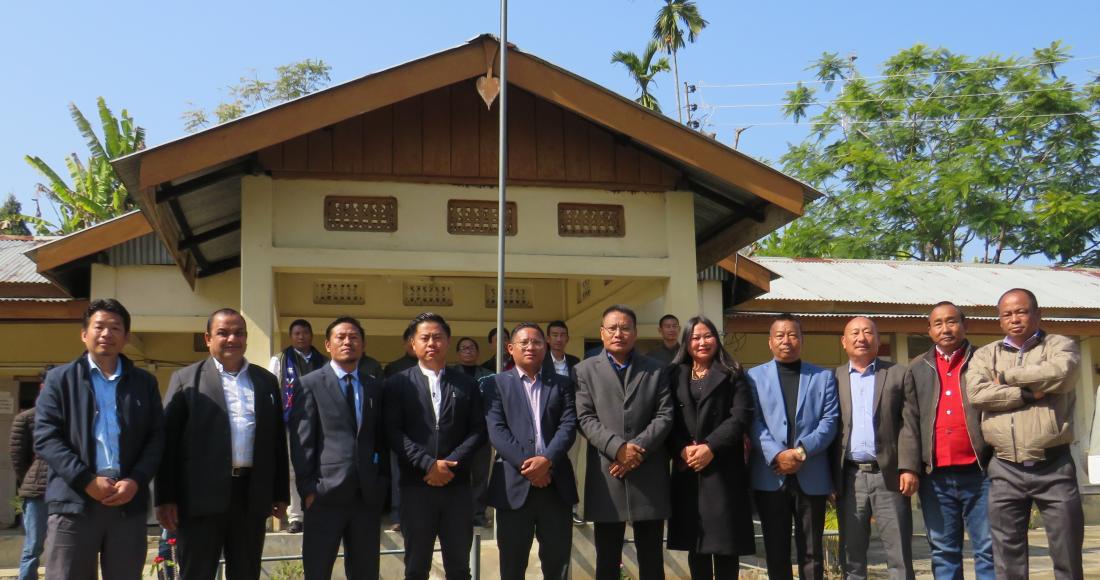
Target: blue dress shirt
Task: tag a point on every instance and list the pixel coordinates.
(106, 428)
(340, 374)
(861, 444)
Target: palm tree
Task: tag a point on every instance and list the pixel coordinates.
(642, 70)
(667, 31)
(97, 193)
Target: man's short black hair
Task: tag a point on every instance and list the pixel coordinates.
(301, 322)
(1029, 293)
(107, 305)
(661, 322)
(524, 325)
(557, 324)
(962, 315)
(493, 333)
(622, 308)
(788, 317)
(428, 317)
(220, 312)
(408, 334)
(345, 320)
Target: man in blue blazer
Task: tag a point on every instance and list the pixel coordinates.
(795, 420)
(532, 423)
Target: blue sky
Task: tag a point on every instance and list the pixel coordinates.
(154, 58)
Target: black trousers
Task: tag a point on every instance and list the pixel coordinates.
(444, 512)
(648, 541)
(713, 567)
(479, 478)
(356, 524)
(545, 515)
(237, 533)
(777, 509)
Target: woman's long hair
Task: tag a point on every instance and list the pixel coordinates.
(721, 356)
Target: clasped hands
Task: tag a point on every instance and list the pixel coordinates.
(627, 459)
(439, 473)
(697, 456)
(112, 492)
(787, 462)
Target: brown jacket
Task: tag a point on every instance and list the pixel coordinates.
(1019, 426)
(30, 471)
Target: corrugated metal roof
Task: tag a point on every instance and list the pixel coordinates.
(898, 282)
(15, 268)
(140, 251)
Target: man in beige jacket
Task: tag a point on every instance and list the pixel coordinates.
(1024, 387)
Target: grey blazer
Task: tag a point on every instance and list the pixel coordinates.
(611, 414)
(897, 430)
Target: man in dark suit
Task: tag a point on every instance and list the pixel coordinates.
(491, 364)
(557, 360)
(532, 422)
(341, 466)
(224, 470)
(795, 415)
(876, 458)
(435, 422)
(99, 427)
(624, 409)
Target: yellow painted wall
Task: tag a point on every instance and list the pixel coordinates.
(159, 298)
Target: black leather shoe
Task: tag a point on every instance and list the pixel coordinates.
(294, 527)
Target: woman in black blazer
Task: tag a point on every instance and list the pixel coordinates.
(711, 515)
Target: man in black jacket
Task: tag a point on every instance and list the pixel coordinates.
(435, 423)
(100, 428)
(340, 458)
(30, 480)
(224, 470)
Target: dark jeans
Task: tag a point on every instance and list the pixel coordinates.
(34, 530)
(776, 510)
(648, 541)
(712, 567)
(954, 498)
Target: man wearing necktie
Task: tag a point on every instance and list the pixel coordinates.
(341, 463)
(224, 470)
(435, 423)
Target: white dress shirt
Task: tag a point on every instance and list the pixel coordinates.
(560, 366)
(434, 389)
(240, 402)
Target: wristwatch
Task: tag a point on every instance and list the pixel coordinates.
(801, 452)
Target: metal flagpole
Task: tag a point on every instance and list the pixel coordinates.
(502, 176)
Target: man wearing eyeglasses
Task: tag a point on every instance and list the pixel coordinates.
(624, 409)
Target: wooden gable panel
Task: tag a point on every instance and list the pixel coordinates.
(378, 142)
(522, 144)
(347, 146)
(408, 142)
(601, 151)
(550, 141)
(489, 140)
(575, 136)
(436, 107)
(465, 131)
(320, 150)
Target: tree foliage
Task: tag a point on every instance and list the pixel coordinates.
(252, 93)
(12, 222)
(642, 69)
(943, 157)
(94, 192)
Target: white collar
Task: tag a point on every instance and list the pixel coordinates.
(437, 375)
(118, 368)
(221, 368)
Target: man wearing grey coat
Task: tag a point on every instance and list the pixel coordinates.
(624, 409)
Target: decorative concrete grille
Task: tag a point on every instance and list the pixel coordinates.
(514, 296)
(360, 214)
(478, 217)
(428, 294)
(590, 220)
(338, 292)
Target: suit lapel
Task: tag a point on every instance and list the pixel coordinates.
(261, 409)
(714, 378)
(803, 387)
(844, 393)
(632, 378)
(544, 395)
(210, 384)
(335, 390)
(880, 383)
(607, 374)
(683, 394)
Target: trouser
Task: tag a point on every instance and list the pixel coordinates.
(648, 541)
(101, 538)
(578, 456)
(395, 492)
(712, 566)
(951, 499)
(1052, 486)
(776, 510)
(479, 479)
(544, 515)
(237, 533)
(34, 536)
(356, 524)
(866, 494)
(294, 510)
(446, 512)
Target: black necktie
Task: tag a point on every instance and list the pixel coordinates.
(349, 396)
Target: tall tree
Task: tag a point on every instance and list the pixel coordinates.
(96, 192)
(12, 222)
(667, 32)
(642, 69)
(252, 93)
(943, 157)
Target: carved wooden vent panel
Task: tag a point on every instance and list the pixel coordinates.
(590, 220)
(514, 296)
(360, 214)
(428, 294)
(478, 217)
(338, 292)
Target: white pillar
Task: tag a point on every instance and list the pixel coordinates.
(257, 277)
(901, 347)
(710, 300)
(681, 289)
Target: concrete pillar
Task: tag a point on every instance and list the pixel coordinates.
(710, 300)
(901, 347)
(681, 289)
(257, 277)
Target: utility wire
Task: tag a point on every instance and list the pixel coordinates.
(887, 99)
(704, 85)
